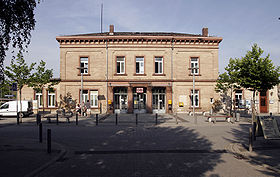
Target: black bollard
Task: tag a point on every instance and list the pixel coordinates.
(56, 118)
(49, 139)
(136, 119)
(37, 119)
(156, 118)
(96, 121)
(76, 119)
(40, 133)
(116, 119)
(270, 114)
(17, 118)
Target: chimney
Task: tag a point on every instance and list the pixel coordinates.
(111, 30)
(204, 32)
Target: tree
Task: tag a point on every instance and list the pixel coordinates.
(19, 72)
(42, 78)
(16, 23)
(255, 73)
(67, 102)
(227, 83)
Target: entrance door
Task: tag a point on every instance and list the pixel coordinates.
(263, 102)
(158, 100)
(120, 100)
(139, 102)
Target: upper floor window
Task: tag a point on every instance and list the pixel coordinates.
(158, 65)
(194, 65)
(120, 65)
(196, 98)
(139, 65)
(94, 99)
(51, 99)
(84, 65)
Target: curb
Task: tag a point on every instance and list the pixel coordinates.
(233, 148)
(43, 167)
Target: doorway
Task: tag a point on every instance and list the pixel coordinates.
(158, 100)
(120, 100)
(263, 102)
(139, 100)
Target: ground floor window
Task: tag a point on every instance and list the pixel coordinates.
(196, 98)
(51, 99)
(94, 99)
(84, 96)
(238, 97)
(39, 98)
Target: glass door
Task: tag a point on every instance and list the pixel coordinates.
(120, 100)
(158, 100)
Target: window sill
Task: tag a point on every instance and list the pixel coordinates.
(84, 74)
(155, 74)
(195, 75)
(139, 74)
(116, 74)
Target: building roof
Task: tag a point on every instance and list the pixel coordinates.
(137, 34)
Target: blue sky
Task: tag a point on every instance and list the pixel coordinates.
(240, 23)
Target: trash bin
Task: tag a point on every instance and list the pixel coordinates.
(237, 117)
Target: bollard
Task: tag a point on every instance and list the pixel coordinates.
(116, 118)
(96, 117)
(250, 140)
(49, 139)
(136, 119)
(270, 114)
(40, 133)
(76, 119)
(56, 118)
(37, 119)
(156, 118)
(17, 119)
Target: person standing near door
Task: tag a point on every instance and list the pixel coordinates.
(88, 108)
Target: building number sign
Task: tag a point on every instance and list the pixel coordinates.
(139, 90)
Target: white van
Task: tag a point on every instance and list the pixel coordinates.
(10, 108)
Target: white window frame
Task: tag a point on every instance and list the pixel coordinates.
(140, 61)
(238, 95)
(195, 64)
(84, 64)
(159, 64)
(51, 99)
(39, 98)
(94, 98)
(196, 94)
(84, 96)
(121, 65)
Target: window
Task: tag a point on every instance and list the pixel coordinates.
(196, 98)
(39, 98)
(238, 97)
(85, 96)
(120, 65)
(194, 64)
(84, 65)
(5, 106)
(94, 99)
(51, 99)
(159, 65)
(139, 65)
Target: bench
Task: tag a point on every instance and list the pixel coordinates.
(226, 118)
(60, 114)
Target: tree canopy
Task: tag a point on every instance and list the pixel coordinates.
(16, 23)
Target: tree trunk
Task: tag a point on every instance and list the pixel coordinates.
(253, 108)
(231, 101)
(43, 101)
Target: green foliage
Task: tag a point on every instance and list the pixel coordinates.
(217, 106)
(19, 72)
(255, 72)
(16, 23)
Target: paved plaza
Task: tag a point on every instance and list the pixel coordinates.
(165, 145)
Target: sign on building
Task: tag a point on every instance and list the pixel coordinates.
(139, 90)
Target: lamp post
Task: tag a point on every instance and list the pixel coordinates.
(81, 93)
(193, 92)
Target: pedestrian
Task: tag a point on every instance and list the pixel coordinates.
(78, 109)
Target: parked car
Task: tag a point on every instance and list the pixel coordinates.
(10, 108)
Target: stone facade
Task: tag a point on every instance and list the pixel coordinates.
(164, 82)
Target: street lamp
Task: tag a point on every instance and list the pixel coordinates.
(81, 93)
(195, 67)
